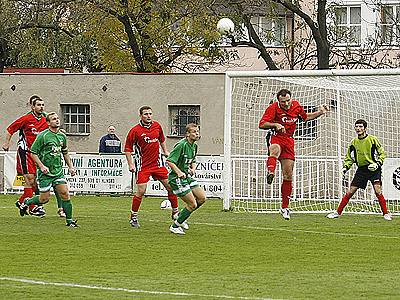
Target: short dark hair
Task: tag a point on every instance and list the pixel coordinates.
(283, 93)
(361, 121)
(143, 108)
(33, 97)
(34, 100)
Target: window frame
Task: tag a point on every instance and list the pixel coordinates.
(86, 114)
(347, 34)
(173, 119)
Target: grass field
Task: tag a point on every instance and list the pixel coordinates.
(224, 255)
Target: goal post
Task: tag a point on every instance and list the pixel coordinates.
(320, 145)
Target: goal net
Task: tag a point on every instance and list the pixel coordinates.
(320, 145)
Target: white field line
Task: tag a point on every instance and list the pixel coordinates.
(115, 289)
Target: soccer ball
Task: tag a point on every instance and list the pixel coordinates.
(165, 204)
(225, 26)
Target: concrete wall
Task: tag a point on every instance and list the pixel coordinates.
(115, 99)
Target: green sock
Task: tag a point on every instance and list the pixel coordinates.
(59, 200)
(183, 215)
(33, 200)
(67, 206)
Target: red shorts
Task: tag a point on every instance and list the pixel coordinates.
(158, 173)
(286, 144)
(25, 163)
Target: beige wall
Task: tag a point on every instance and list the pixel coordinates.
(119, 104)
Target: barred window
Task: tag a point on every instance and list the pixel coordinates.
(306, 130)
(180, 116)
(76, 118)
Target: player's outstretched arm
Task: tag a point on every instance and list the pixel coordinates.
(322, 110)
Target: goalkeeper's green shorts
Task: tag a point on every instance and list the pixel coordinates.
(182, 187)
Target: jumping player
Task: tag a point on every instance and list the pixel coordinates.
(144, 141)
(367, 153)
(281, 117)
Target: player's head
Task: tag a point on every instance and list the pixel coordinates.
(192, 132)
(37, 106)
(146, 114)
(53, 120)
(111, 129)
(33, 97)
(284, 97)
(360, 127)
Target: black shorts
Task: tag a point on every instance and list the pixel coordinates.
(363, 175)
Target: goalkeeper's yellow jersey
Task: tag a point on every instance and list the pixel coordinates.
(364, 151)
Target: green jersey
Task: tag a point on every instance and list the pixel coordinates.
(49, 147)
(364, 151)
(183, 155)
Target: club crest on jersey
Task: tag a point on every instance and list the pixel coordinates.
(149, 140)
(289, 120)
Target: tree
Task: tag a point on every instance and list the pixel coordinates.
(154, 36)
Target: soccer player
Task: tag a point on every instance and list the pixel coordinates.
(28, 126)
(280, 119)
(144, 141)
(47, 151)
(182, 162)
(367, 153)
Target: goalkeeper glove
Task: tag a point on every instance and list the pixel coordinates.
(373, 167)
(344, 170)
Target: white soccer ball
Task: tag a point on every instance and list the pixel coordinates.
(165, 204)
(225, 26)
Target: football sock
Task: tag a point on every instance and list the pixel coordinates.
(136, 201)
(173, 199)
(286, 190)
(183, 215)
(382, 203)
(59, 200)
(271, 164)
(343, 203)
(32, 201)
(28, 193)
(67, 206)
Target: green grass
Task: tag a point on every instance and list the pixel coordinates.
(224, 255)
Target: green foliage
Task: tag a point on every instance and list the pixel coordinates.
(228, 254)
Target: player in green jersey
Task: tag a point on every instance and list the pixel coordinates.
(182, 161)
(367, 153)
(47, 151)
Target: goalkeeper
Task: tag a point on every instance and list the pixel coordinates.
(367, 153)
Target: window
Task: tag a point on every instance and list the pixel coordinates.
(348, 25)
(390, 24)
(76, 118)
(180, 116)
(272, 32)
(307, 130)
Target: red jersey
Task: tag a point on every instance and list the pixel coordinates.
(29, 127)
(288, 118)
(145, 141)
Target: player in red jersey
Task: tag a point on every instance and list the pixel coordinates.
(28, 126)
(144, 141)
(281, 117)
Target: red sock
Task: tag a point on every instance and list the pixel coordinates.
(286, 189)
(271, 164)
(382, 203)
(136, 201)
(173, 199)
(28, 193)
(343, 203)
